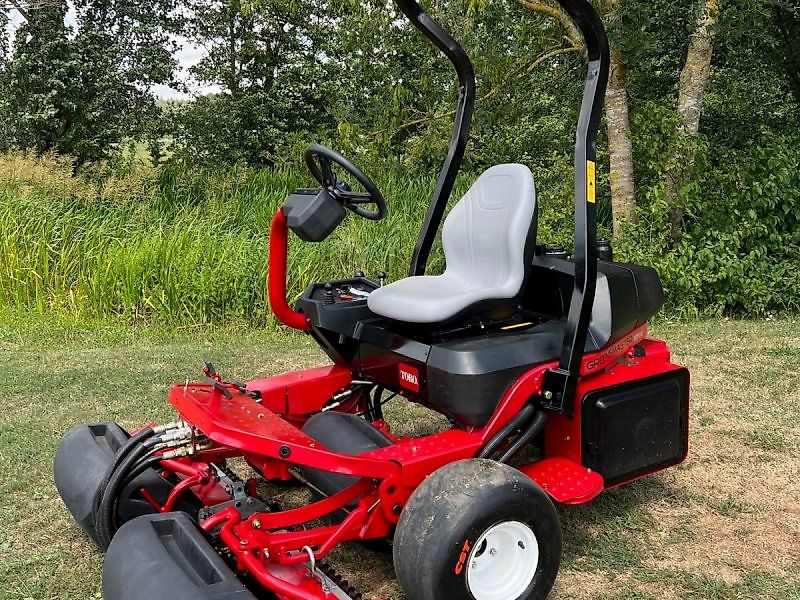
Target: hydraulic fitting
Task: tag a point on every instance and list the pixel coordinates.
(187, 450)
(168, 426)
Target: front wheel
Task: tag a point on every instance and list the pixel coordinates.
(477, 530)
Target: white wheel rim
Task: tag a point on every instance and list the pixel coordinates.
(503, 562)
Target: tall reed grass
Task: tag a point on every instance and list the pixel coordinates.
(175, 247)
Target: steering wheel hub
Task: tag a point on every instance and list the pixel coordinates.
(321, 160)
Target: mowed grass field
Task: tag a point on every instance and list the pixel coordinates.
(725, 525)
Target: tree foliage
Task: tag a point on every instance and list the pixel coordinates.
(357, 76)
(273, 82)
(83, 89)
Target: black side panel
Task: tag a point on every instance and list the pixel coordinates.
(468, 377)
(636, 428)
(343, 433)
(469, 399)
(166, 557)
(81, 461)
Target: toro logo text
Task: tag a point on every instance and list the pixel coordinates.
(408, 377)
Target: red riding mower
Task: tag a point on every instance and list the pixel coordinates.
(517, 344)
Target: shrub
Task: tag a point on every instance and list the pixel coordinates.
(739, 251)
(190, 247)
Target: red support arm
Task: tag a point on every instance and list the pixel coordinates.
(278, 248)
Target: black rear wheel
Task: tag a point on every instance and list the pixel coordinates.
(477, 530)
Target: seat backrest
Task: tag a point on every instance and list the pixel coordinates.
(486, 234)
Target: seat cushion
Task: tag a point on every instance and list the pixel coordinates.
(485, 238)
(425, 299)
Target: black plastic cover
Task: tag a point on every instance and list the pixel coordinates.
(166, 557)
(626, 295)
(636, 428)
(312, 214)
(343, 433)
(467, 377)
(81, 461)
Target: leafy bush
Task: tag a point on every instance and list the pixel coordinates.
(739, 252)
(191, 247)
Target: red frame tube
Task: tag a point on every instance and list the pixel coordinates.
(278, 250)
(179, 489)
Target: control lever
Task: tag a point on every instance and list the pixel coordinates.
(328, 293)
(209, 369)
(382, 278)
(219, 387)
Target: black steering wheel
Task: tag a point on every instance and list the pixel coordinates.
(320, 161)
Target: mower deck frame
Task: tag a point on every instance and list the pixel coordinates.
(266, 433)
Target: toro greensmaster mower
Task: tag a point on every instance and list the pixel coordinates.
(518, 345)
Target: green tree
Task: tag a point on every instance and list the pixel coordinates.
(787, 20)
(83, 90)
(38, 80)
(271, 69)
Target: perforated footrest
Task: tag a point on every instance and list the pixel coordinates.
(565, 481)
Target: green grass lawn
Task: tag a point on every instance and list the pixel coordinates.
(724, 525)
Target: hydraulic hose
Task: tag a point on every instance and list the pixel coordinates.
(375, 409)
(530, 432)
(141, 467)
(105, 518)
(519, 421)
(132, 442)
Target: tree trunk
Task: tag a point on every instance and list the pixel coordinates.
(620, 147)
(623, 198)
(691, 91)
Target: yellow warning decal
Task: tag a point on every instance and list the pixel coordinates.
(591, 183)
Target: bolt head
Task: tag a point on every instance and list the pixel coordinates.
(493, 551)
(243, 542)
(256, 524)
(548, 395)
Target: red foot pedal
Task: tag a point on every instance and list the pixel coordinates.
(565, 481)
